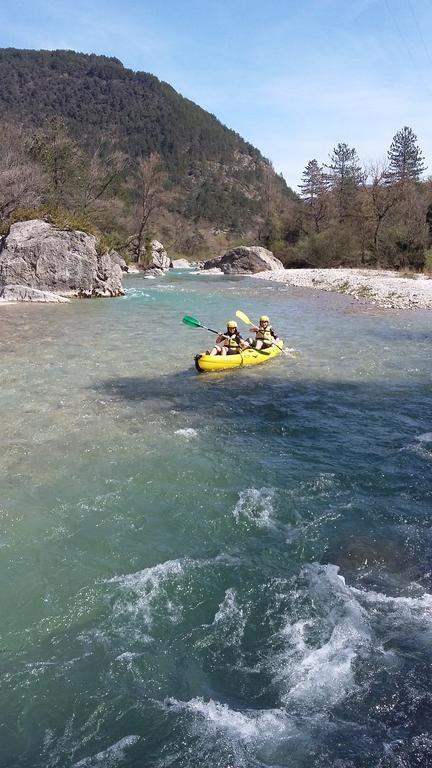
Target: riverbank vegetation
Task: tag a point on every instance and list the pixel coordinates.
(88, 144)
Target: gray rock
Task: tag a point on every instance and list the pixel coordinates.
(181, 264)
(215, 263)
(159, 257)
(117, 259)
(37, 255)
(245, 260)
(24, 293)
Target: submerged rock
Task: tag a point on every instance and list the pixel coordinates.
(245, 260)
(37, 255)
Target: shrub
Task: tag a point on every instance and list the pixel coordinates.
(428, 261)
(332, 248)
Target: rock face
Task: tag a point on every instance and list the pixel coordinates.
(117, 259)
(245, 261)
(37, 255)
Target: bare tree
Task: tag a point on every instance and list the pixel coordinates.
(381, 199)
(98, 174)
(149, 182)
(21, 179)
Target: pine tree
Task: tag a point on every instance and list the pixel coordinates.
(344, 177)
(313, 191)
(406, 162)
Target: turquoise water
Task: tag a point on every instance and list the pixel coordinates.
(215, 570)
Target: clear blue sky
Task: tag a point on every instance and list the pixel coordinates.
(293, 77)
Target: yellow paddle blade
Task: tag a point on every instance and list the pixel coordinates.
(244, 317)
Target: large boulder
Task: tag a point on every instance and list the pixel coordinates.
(245, 261)
(159, 259)
(38, 255)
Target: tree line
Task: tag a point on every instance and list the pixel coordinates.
(349, 214)
(345, 213)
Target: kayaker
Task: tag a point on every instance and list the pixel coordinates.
(265, 336)
(230, 342)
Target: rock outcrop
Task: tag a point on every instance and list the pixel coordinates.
(159, 262)
(37, 255)
(245, 261)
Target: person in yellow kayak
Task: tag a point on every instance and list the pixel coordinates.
(265, 336)
(230, 342)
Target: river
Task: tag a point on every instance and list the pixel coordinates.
(224, 570)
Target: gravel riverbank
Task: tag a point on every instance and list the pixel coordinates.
(380, 287)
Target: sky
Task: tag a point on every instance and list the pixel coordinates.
(292, 77)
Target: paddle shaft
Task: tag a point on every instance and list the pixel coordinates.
(247, 321)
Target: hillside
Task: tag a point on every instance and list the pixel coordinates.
(221, 176)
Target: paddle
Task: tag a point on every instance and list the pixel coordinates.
(246, 320)
(193, 323)
(288, 352)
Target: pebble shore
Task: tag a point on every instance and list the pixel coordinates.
(383, 288)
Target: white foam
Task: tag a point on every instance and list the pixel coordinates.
(134, 293)
(212, 271)
(110, 757)
(146, 586)
(128, 656)
(421, 448)
(187, 432)
(248, 726)
(256, 506)
(315, 669)
(401, 612)
(152, 589)
(425, 438)
(230, 619)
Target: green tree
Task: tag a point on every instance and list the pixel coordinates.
(314, 188)
(344, 177)
(406, 162)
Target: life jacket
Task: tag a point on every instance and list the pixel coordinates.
(233, 341)
(265, 335)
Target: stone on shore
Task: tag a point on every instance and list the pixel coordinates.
(37, 255)
(245, 260)
(384, 288)
(24, 293)
(181, 264)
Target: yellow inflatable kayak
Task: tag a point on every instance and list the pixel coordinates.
(248, 357)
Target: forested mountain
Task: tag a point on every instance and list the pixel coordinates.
(96, 93)
(88, 144)
(98, 97)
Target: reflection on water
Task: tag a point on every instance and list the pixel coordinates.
(219, 570)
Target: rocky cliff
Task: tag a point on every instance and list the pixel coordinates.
(38, 256)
